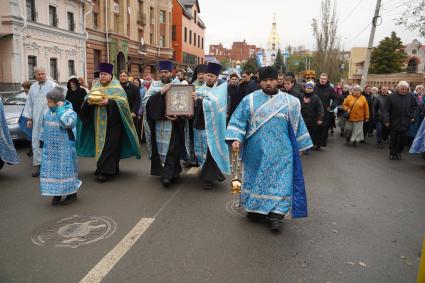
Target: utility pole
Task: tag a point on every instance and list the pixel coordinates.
(369, 47)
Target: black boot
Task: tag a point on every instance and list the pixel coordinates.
(276, 221)
(36, 172)
(256, 217)
(70, 199)
(166, 182)
(101, 178)
(56, 200)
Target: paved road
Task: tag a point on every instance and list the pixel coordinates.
(364, 210)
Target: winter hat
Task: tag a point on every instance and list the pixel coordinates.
(309, 84)
(56, 94)
(213, 68)
(165, 65)
(268, 73)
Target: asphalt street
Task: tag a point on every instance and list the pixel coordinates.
(366, 224)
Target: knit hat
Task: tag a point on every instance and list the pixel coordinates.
(309, 84)
(268, 73)
(56, 94)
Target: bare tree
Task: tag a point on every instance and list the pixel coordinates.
(326, 55)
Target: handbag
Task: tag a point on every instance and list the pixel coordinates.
(346, 114)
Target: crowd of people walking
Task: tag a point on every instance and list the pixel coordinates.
(269, 116)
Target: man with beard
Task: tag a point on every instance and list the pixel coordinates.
(269, 126)
(329, 100)
(280, 81)
(209, 128)
(165, 135)
(108, 132)
(34, 110)
(198, 78)
(133, 95)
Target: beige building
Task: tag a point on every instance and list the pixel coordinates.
(356, 61)
(48, 33)
(131, 34)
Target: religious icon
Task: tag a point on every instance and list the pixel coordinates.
(179, 100)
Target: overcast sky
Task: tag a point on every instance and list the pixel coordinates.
(235, 20)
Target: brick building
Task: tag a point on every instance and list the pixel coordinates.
(188, 33)
(240, 52)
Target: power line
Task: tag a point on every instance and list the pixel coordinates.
(353, 37)
(352, 11)
(395, 7)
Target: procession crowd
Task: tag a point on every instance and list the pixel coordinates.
(270, 117)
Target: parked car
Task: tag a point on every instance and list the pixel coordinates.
(13, 107)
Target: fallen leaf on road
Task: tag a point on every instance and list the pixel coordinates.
(362, 264)
(403, 257)
(334, 223)
(335, 231)
(350, 263)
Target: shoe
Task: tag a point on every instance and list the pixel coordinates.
(380, 146)
(347, 140)
(101, 178)
(318, 148)
(207, 185)
(188, 164)
(275, 222)
(354, 143)
(70, 199)
(36, 173)
(392, 157)
(363, 141)
(56, 200)
(166, 182)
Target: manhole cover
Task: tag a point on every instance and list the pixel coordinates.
(235, 209)
(74, 231)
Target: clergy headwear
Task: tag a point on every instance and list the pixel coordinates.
(268, 73)
(56, 94)
(213, 68)
(201, 68)
(165, 65)
(106, 68)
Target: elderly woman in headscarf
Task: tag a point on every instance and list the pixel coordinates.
(356, 112)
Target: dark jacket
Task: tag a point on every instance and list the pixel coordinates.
(133, 96)
(327, 95)
(295, 93)
(378, 107)
(369, 99)
(399, 111)
(234, 97)
(76, 97)
(313, 111)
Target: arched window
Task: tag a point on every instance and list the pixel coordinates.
(412, 66)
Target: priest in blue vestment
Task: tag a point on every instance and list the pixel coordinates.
(211, 110)
(268, 127)
(7, 149)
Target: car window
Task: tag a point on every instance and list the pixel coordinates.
(17, 99)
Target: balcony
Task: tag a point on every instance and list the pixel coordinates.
(156, 51)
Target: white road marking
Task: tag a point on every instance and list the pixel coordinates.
(100, 270)
(105, 265)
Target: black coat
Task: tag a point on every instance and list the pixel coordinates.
(369, 99)
(295, 93)
(327, 95)
(313, 111)
(234, 97)
(133, 96)
(378, 107)
(399, 111)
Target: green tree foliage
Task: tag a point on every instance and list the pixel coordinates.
(250, 66)
(388, 57)
(278, 62)
(296, 63)
(413, 17)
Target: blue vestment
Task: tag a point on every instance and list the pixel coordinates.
(213, 137)
(7, 149)
(272, 132)
(163, 128)
(418, 145)
(59, 173)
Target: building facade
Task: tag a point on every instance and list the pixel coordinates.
(188, 33)
(131, 34)
(240, 52)
(41, 33)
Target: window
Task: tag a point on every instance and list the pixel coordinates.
(194, 17)
(190, 37)
(116, 23)
(412, 66)
(162, 17)
(189, 58)
(141, 19)
(96, 58)
(71, 23)
(173, 33)
(185, 34)
(54, 68)
(32, 62)
(151, 15)
(151, 38)
(71, 68)
(202, 45)
(95, 20)
(31, 15)
(199, 41)
(53, 20)
(194, 38)
(140, 35)
(161, 41)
